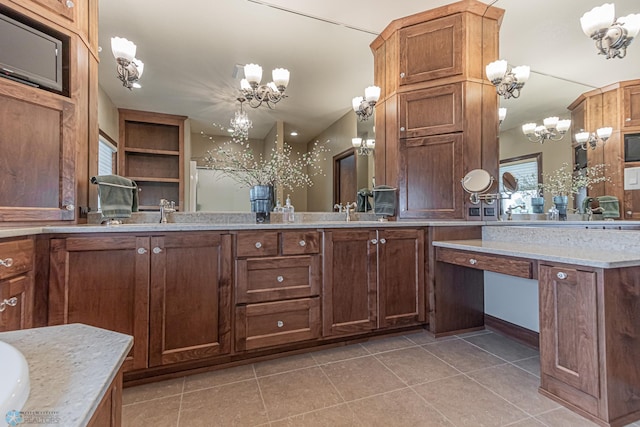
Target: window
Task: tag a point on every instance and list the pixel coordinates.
(528, 171)
(106, 158)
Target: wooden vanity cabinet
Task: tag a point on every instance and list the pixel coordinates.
(373, 279)
(16, 284)
(170, 292)
(589, 325)
(278, 276)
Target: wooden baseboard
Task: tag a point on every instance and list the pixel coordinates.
(518, 333)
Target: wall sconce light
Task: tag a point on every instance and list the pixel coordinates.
(590, 140)
(364, 106)
(612, 36)
(271, 93)
(365, 146)
(507, 81)
(551, 129)
(129, 68)
(502, 114)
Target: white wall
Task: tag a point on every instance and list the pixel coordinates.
(107, 115)
(512, 299)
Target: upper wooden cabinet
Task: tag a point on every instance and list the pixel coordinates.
(631, 113)
(152, 155)
(431, 50)
(430, 67)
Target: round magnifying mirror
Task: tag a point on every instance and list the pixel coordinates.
(477, 181)
(509, 183)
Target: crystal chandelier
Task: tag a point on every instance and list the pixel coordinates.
(612, 36)
(240, 124)
(507, 81)
(552, 129)
(364, 106)
(365, 146)
(590, 140)
(270, 94)
(129, 68)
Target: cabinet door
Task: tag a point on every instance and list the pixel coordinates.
(63, 8)
(190, 297)
(568, 328)
(38, 159)
(631, 205)
(16, 303)
(103, 281)
(631, 116)
(432, 111)
(349, 302)
(431, 50)
(401, 286)
(430, 172)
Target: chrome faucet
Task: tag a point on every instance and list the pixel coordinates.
(166, 207)
(511, 208)
(346, 209)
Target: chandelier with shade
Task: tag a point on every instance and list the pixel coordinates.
(129, 67)
(612, 36)
(270, 94)
(552, 129)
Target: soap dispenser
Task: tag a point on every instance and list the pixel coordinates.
(278, 208)
(288, 211)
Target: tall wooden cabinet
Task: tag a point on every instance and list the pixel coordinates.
(152, 155)
(45, 137)
(437, 114)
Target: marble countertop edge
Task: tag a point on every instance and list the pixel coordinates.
(578, 256)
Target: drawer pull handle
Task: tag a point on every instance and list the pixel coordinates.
(280, 323)
(383, 241)
(258, 245)
(142, 251)
(561, 275)
(12, 302)
(302, 243)
(157, 250)
(374, 241)
(8, 262)
(473, 261)
(280, 279)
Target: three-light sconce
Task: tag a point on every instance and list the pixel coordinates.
(363, 106)
(270, 94)
(365, 146)
(129, 67)
(612, 36)
(508, 81)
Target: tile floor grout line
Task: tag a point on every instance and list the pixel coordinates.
(525, 370)
(332, 384)
(431, 405)
(486, 351)
(264, 404)
(184, 381)
(217, 386)
(151, 400)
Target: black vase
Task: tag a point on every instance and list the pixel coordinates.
(262, 202)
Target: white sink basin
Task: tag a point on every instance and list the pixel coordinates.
(14, 382)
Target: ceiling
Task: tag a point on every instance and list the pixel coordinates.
(190, 54)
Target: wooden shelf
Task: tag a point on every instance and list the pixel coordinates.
(150, 179)
(151, 151)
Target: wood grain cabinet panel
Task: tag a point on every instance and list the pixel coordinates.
(300, 242)
(277, 323)
(275, 278)
(256, 244)
(496, 263)
(631, 116)
(569, 334)
(432, 111)
(431, 50)
(16, 284)
(430, 174)
(190, 297)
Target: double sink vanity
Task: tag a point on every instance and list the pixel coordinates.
(205, 292)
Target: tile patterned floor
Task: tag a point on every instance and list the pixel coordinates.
(477, 379)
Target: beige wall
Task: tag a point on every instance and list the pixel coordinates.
(513, 143)
(107, 115)
(339, 134)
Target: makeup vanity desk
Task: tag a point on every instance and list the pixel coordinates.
(589, 303)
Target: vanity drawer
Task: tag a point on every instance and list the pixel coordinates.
(300, 242)
(497, 263)
(16, 257)
(269, 279)
(262, 243)
(277, 323)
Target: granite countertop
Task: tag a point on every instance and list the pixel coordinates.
(591, 248)
(70, 369)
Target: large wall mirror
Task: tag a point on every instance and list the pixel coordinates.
(191, 55)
